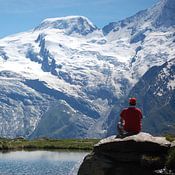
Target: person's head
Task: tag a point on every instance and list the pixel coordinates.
(132, 101)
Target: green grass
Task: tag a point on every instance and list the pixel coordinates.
(170, 162)
(170, 137)
(47, 144)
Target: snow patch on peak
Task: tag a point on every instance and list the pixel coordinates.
(69, 25)
(70, 19)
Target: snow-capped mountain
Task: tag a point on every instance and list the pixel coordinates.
(160, 16)
(62, 78)
(69, 25)
(149, 33)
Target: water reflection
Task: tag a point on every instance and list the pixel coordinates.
(40, 162)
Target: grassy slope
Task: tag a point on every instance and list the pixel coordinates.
(19, 144)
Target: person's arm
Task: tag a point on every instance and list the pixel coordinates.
(121, 118)
(141, 115)
(120, 125)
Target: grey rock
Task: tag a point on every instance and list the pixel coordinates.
(142, 142)
(137, 154)
(173, 145)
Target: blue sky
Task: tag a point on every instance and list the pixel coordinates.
(22, 15)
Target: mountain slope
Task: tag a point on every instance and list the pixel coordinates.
(70, 61)
(160, 16)
(156, 93)
(57, 122)
(149, 33)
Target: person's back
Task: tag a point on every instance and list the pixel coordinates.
(130, 119)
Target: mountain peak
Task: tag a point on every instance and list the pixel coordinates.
(167, 3)
(163, 13)
(69, 24)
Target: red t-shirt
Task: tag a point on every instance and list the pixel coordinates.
(132, 117)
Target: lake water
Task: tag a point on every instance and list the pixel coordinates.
(40, 163)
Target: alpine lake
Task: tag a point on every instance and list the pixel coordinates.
(41, 162)
(43, 156)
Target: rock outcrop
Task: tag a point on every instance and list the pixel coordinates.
(139, 154)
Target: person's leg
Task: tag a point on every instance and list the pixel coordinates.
(130, 134)
(120, 129)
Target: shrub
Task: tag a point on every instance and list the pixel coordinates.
(170, 163)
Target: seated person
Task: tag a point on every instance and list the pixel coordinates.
(130, 120)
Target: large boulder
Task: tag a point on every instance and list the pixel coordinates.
(137, 154)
